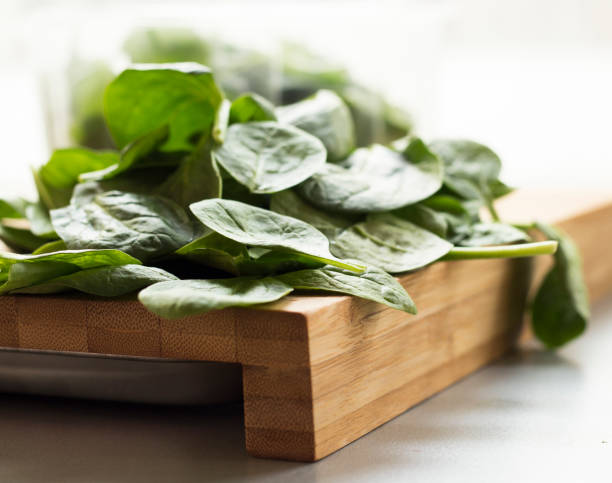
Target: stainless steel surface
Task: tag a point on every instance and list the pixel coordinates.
(534, 416)
(126, 379)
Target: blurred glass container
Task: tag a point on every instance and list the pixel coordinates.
(376, 54)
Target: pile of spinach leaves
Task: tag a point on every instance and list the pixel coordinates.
(209, 202)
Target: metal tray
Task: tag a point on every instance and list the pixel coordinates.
(115, 378)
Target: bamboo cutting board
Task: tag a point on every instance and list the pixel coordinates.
(321, 371)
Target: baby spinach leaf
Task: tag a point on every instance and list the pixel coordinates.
(52, 246)
(471, 171)
(560, 310)
(20, 239)
(110, 281)
(289, 203)
(58, 176)
(376, 179)
(134, 155)
(148, 96)
(325, 116)
(373, 284)
(257, 227)
(267, 157)
(181, 298)
(12, 208)
(391, 243)
(197, 178)
(251, 107)
(425, 217)
(40, 223)
(482, 234)
(145, 226)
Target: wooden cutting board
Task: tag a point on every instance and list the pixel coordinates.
(321, 371)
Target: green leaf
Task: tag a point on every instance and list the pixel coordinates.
(12, 208)
(251, 107)
(373, 284)
(425, 217)
(267, 157)
(560, 310)
(40, 222)
(111, 281)
(148, 96)
(58, 176)
(145, 226)
(289, 203)
(325, 116)
(170, 44)
(391, 243)
(376, 179)
(189, 297)
(483, 234)
(197, 178)
(52, 246)
(134, 155)
(215, 250)
(257, 227)
(20, 239)
(20, 271)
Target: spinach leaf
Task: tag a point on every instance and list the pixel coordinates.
(325, 116)
(391, 243)
(40, 223)
(289, 203)
(58, 176)
(181, 298)
(257, 227)
(560, 310)
(52, 246)
(20, 239)
(471, 171)
(145, 226)
(147, 96)
(110, 281)
(12, 208)
(425, 217)
(251, 107)
(134, 155)
(19, 271)
(482, 234)
(376, 179)
(267, 157)
(197, 178)
(373, 284)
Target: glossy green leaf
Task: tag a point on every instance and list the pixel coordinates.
(110, 281)
(145, 226)
(325, 116)
(52, 246)
(376, 179)
(189, 297)
(391, 243)
(289, 203)
(251, 107)
(183, 96)
(267, 157)
(373, 284)
(560, 310)
(257, 227)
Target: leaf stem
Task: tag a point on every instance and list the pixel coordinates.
(505, 251)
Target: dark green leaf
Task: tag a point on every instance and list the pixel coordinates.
(257, 227)
(325, 116)
(251, 107)
(376, 179)
(181, 298)
(388, 242)
(290, 204)
(148, 96)
(482, 234)
(144, 226)
(560, 310)
(373, 284)
(20, 239)
(267, 157)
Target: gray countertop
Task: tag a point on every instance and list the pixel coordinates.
(533, 416)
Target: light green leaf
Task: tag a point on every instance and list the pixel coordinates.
(148, 96)
(267, 157)
(182, 298)
(257, 227)
(325, 116)
(251, 107)
(373, 284)
(388, 242)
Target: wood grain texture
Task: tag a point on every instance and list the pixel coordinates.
(321, 371)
